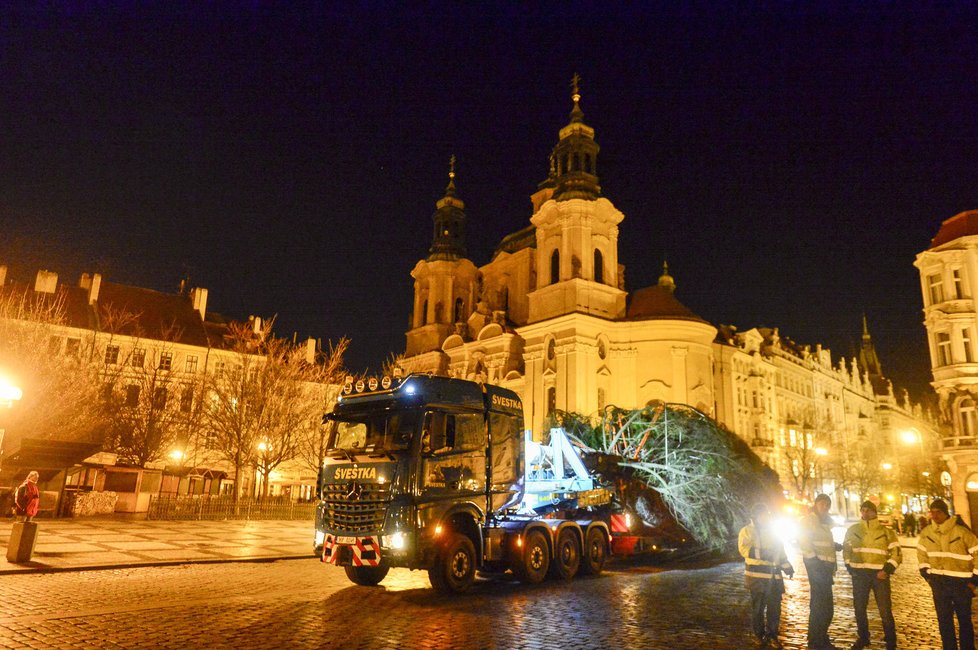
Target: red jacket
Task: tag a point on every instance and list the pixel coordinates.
(28, 499)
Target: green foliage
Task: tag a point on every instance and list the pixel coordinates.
(705, 474)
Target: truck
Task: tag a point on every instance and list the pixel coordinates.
(439, 474)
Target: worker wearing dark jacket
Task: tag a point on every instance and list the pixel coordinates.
(872, 553)
(947, 554)
(764, 561)
(818, 548)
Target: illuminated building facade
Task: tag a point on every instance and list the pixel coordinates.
(948, 276)
(549, 317)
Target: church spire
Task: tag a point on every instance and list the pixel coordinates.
(448, 242)
(666, 281)
(573, 163)
(868, 358)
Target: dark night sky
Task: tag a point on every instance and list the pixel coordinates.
(789, 159)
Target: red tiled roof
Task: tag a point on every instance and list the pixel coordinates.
(960, 225)
(152, 314)
(657, 303)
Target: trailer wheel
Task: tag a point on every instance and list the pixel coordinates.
(454, 569)
(567, 555)
(366, 576)
(595, 552)
(532, 566)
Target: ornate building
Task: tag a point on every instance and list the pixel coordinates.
(549, 317)
(948, 273)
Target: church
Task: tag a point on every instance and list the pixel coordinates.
(549, 317)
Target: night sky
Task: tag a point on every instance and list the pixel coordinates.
(788, 159)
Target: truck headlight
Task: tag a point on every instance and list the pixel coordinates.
(396, 542)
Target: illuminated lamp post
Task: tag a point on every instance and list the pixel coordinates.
(9, 393)
(913, 437)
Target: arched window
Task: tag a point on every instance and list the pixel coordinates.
(598, 266)
(555, 267)
(458, 310)
(966, 413)
(424, 313)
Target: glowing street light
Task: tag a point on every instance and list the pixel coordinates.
(9, 393)
(821, 451)
(887, 466)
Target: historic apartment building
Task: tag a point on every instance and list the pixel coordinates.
(948, 277)
(549, 317)
(128, 330)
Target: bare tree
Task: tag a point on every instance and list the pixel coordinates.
(53, 367)
(312, 445)
(258, 407)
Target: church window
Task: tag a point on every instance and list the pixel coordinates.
(598, 266)
(551, 400)
(563, 164)
(576, 164)
(424, 313)
(555, 267)
(601, 399)
(458, 310)
(936, 287)
(551, 350)
(587, 164)
(943, 349)
(958, 283)
(969, 355)
(966, 412)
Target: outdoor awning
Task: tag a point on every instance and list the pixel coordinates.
(40, 454)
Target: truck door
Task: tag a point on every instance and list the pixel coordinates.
(453, 453)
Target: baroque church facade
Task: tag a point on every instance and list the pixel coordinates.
(549, 317)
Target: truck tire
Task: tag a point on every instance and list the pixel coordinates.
(454, 569)
(595, 552)
(567, 555)
(533, 565)
(366, 576)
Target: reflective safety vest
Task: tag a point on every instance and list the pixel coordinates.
(871, 545)
(815, 539)
(948, 550)
(763, 553)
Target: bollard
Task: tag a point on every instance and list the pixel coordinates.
(20, 548)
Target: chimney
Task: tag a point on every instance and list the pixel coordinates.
(311, 350)
(46, 282)
(199, 298)
(94, 289)
(3, 275)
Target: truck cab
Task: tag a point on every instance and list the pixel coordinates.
(428, 473)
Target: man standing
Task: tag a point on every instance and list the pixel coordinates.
(818, 549)
(872, 553)
(947, 553)
(764, 560)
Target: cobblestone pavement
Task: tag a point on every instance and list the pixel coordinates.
(302, 604)
(66, 544)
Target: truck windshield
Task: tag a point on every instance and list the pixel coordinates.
(373, 431)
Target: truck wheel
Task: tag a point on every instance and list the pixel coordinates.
(454, 569)
(567, 555)
(532, 567)
(366, 576)
(595, 552)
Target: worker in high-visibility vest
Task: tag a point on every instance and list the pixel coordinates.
(947, 555)
(818, 549)
(764, 561)
(872, 553)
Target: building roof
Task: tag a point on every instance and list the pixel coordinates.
(960, 225)
(658, 303)
(152, 314)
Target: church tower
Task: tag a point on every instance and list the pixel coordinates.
(445, 283)
(577, 267)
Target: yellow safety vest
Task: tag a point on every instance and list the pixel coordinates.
(948, 550)
(763, 553)
(815, 539)
(871, 545)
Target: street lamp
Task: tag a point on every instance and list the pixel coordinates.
(9, 393)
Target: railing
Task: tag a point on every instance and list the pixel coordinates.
(211, 508)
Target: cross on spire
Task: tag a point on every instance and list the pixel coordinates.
(576, 87)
